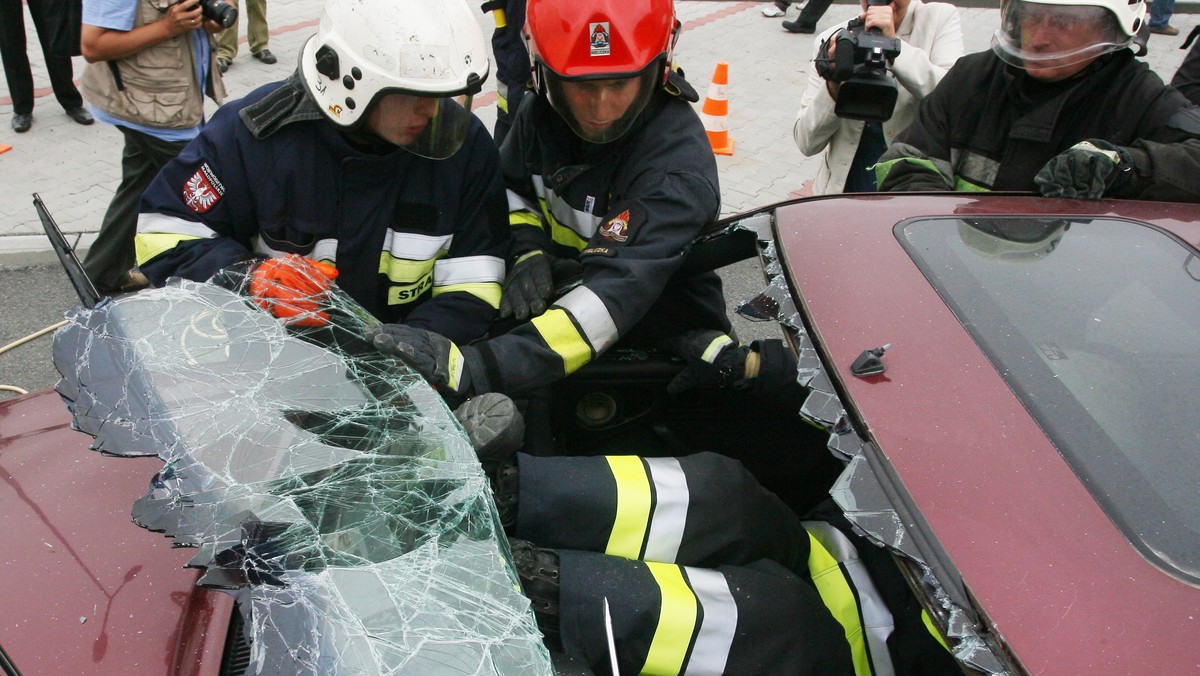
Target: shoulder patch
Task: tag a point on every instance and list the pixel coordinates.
(617, 228)
(203, 190)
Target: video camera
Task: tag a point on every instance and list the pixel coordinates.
(859, 65)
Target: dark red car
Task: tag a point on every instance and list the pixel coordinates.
(1008, 382)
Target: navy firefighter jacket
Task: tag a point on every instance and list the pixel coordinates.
(627, 213)
(415, 240)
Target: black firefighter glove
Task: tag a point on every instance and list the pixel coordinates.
(527, 287)
(1087, 170)
(713, 360)
(445, 365)
(765, 369)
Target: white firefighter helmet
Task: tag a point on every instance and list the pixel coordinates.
(1111, 25)
(366, 49)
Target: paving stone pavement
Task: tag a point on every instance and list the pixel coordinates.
(76, 168)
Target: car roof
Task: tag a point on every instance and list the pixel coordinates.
(86, 591)
(1054, 578)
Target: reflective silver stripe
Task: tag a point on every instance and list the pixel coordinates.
(717, 629)
(670, 510)
(974, 167)
(877, 619)
(325, 250)
(261, 247)
(468, 270)
(593, 317)
(161, 223)
(518, 203)
(581, 223)
(411, 247)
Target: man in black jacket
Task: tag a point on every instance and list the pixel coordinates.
(1060, 106)
(610, 177)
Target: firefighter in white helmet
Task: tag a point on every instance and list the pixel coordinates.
(1059, 105)
(365, 165)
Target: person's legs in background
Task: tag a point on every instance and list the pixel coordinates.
(111, 258)
(227, 42)
(810, 15)
(58, 66)
(1160, 17)
(257, 31)
(16, 63)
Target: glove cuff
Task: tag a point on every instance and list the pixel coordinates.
(775, 378)
(475, 364)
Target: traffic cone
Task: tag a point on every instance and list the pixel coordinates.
(4, 148)
(715, 111)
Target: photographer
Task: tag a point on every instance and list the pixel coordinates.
(133, 81)
(930, 42)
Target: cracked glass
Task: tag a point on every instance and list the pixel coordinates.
(323, 484)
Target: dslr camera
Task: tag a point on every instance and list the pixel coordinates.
(217, 10)
(859, 65)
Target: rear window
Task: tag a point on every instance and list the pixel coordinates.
(1095, 325)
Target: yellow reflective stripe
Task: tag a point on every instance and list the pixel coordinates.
(524, 218)
(932, 628)
(455, 367)
(488, 292)
(150, 245)
(633, 506)
(560, 233)
(676, 621)
(962, 185)
(527, 256)
(714, 348)
(560, 334)
(838, 595)
(405, 271)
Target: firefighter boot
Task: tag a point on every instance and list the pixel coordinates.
(495, 427)
(538, 571)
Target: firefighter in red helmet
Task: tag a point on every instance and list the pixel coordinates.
(609, 177)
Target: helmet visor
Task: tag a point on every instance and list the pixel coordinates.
(601, 109)
(430, 126)
(1044, 38)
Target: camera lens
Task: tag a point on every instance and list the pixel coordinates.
(220, 11)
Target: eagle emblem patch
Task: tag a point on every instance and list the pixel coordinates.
(202, 191)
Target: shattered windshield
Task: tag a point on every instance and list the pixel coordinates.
(1095, 325)
(323, 484)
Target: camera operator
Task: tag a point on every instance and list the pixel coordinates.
(133, 81)
(930, 42)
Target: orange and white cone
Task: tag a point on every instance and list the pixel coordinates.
(715, 111)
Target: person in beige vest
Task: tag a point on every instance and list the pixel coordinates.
(930, 42)
(150, 65)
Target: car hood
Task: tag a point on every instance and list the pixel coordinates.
(84, 590)
(947, 465)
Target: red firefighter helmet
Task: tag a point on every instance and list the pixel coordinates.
(590, 40)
